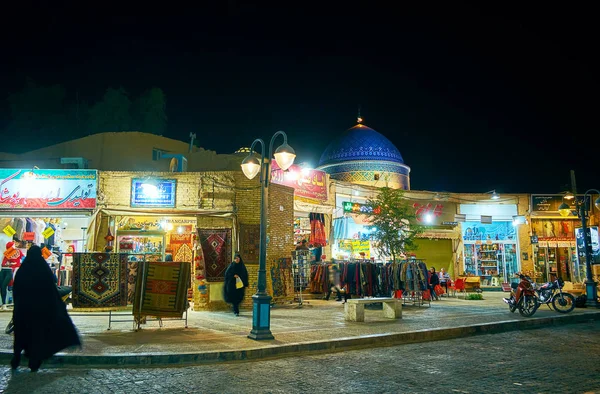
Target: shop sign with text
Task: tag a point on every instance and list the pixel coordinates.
(306, 183)
(156, 193)
(36, 189)
(549, 203)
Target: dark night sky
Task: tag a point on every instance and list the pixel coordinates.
(474, 99)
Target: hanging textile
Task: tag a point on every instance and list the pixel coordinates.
(216, 248)
(161, 289)
(281, 277)
(99, 280)
(317, 229)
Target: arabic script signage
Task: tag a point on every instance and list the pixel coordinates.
(156, 193)
(306, 183)
(550, 202)
(47, 189)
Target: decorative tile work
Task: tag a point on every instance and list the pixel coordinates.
(360, 143)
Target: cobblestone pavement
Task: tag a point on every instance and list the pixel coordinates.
(562, 359)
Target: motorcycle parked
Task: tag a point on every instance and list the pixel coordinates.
(551, 293)
(528, 302)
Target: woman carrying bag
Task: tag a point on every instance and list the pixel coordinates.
(236, 281)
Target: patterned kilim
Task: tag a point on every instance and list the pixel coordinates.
(216, 247)
(99, 280)
(249, 242)
(161, 289)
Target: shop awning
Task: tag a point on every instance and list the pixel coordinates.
(440, 234)
(301, 206)
(46, 213)
(163, 212)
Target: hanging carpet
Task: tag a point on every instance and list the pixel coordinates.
(161, 289)
(181, 244)
(99, 280)
(216, 247)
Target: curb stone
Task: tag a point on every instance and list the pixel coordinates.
(270, 351)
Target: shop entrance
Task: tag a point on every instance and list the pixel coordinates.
(61, 234)
(553, 260)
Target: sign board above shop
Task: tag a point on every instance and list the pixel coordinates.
(427, 213)
(153, 193)
(35, 189)
(549, 203)
(306, 183)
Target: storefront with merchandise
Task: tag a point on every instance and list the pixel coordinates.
(312, 208)
(156, 217)
(490, 238)
(51, 208)
(554, 240)
(199, 218)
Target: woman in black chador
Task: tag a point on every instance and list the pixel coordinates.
(42, 324)
(234, 295)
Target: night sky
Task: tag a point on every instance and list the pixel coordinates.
(474, 98)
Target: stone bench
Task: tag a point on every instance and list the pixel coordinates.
(354, 309)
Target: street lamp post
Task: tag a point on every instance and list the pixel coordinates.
(590, 286)
(284, 156)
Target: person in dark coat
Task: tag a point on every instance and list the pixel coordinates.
(232, 294)
(42, 325)
(434, 280)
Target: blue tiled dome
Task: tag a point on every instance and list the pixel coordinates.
(360, 143)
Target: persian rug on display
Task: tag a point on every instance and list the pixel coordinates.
(99, 280)
(216, 248)
(161, 289)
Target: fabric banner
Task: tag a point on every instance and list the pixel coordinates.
(216, 248)
(99, 280)
(161, 289)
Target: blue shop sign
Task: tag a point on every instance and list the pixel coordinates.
(157, 193)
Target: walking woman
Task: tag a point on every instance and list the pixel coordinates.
(42, 325)
(233, 292)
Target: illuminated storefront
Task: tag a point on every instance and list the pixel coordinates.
(554, 240)
(490, 242)
(49, 207)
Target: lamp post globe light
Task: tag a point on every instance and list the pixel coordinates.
(251, 166)
(590, 285)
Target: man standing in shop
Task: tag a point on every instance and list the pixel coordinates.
(302, 245)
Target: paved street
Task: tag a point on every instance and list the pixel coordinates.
(551, 360)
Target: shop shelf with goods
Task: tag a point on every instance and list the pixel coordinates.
(142, 245)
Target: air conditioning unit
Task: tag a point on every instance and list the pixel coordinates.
(178, 162)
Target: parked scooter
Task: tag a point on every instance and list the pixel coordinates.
(551, 293)
(527, 302)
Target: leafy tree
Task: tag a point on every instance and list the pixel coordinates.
(112, 113)
(37, 110)
(393, 223)
(150, 112)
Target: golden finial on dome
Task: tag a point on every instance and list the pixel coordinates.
(358, 118)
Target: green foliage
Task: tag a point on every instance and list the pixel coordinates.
(37, 110)
(46, 115)
(475, 296)
(149, 112)
(112, 113)
(394, 225)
